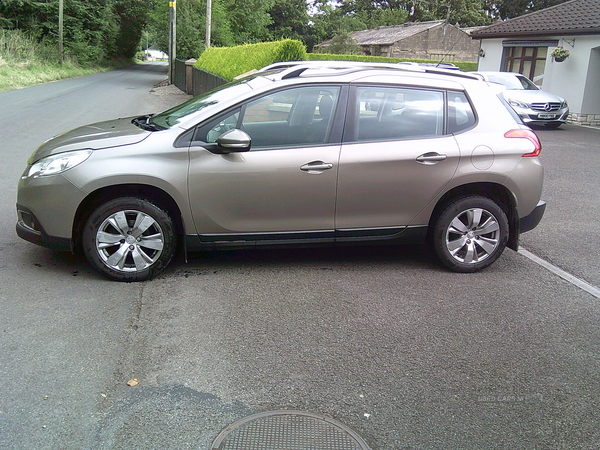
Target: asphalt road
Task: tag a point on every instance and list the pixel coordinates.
(407, 354)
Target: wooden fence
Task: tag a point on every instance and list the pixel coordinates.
(194, 81)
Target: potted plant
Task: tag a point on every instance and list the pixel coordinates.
(560, 54)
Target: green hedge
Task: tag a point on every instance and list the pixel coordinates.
(229, 62)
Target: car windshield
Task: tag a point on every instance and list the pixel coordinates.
(512, 81)
(178, 114)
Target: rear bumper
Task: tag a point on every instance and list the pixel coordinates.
(532, 220)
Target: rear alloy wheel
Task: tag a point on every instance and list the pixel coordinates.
(129, 239)
(470, 234)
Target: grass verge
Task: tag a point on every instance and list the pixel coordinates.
(25, 62)
(17, 75)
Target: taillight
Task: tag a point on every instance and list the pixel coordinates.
(529, 135)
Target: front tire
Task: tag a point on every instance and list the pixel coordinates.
(129, 239)
(470, 234)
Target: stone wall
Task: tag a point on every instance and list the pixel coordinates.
(454, 45)
(584, 119)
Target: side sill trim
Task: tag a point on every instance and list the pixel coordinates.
(411, 235)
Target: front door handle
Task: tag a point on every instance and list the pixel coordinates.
(431, 158)
(316, 167)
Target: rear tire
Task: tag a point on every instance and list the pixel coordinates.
(129, 239)
(470, 234)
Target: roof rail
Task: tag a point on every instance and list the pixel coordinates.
(293, 69)
(329, 64)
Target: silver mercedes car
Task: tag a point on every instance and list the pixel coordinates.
(321, 153)
(534, 106)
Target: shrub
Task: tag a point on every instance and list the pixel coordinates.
(229, 62)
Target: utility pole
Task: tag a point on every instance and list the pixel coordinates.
(60, 31)
(172, 39)
(208, 21)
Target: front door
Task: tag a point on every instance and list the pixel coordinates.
(284, 186)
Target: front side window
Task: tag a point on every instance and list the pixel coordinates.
(512, 81)
(298, 116)
(384, 113)
(292, 117)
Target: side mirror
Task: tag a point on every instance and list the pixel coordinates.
(234, 141)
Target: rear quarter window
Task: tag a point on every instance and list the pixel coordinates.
(460, 112)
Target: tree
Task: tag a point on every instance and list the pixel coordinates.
(132, 16)
(249, 19)
(330, 20)
(94, 30)
(343, 44)
(191, 27)
(289, 20)
(508, 9)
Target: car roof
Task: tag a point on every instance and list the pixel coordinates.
(291, 69)
(352, 71)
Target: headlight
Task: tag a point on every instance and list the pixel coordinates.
(55, 164)
(564, 104)
(517, 103)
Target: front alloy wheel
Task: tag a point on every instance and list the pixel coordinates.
(470, 234)
(129, 239)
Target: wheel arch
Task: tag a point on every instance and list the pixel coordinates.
(102, 195)
(496, 192)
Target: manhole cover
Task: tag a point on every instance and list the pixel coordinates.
(288, 430)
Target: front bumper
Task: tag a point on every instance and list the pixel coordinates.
(46, 208)
(532, 220)
(532, 117)
(30, 229)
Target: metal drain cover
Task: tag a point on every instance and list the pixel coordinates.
(288, 430)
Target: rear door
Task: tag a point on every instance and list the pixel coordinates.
(396, 157)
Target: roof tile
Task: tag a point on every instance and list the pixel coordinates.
(390, 34)
(573, 17)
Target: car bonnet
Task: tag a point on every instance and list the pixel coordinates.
(95, 136)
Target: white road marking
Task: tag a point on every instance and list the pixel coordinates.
(561, 273)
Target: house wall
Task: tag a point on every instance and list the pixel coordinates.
(491, 57)
(577, 79)
(591, 96)
(451, 45)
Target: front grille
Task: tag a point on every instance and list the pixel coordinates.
(552, 106)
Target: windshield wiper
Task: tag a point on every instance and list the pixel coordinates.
(144, 123)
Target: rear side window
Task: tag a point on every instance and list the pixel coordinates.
(460, 112)
(385, 113)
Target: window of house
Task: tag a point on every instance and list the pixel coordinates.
(529, 61)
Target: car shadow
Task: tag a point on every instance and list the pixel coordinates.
(413, 256)
(407, 256)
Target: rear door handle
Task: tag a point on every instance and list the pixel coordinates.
(431, 158)
(316, 167)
